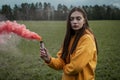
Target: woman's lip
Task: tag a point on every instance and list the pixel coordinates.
(75, 26)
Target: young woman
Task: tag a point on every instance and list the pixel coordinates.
(78, 55)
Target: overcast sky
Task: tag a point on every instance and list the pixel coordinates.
(65, 2)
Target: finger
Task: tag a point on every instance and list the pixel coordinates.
(43, 54)
(42, 49)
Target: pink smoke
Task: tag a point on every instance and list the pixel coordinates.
(8, 27)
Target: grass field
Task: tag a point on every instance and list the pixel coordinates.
(19, 58)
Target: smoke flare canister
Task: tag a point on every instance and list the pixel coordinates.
(42, 44)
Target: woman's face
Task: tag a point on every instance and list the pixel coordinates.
(77, 20)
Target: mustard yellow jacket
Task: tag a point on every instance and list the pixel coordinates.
(82, 62)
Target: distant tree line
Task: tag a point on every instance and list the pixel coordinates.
(45, 11)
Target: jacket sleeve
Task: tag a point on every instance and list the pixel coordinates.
(57, 63)
(81, 56)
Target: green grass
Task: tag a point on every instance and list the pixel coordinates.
(20, 59)
(107, 33)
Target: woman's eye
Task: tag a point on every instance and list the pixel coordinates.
(78, 18)
(72, 18)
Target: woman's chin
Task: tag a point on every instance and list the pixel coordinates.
(75, 28)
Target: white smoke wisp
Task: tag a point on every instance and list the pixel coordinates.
(9, 42)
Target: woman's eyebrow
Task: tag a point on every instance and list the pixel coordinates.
(74, 16)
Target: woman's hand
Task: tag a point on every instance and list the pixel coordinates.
(45, 55)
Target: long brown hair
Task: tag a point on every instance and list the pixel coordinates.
(70, 32)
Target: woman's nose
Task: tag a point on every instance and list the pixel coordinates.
(74, 21)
